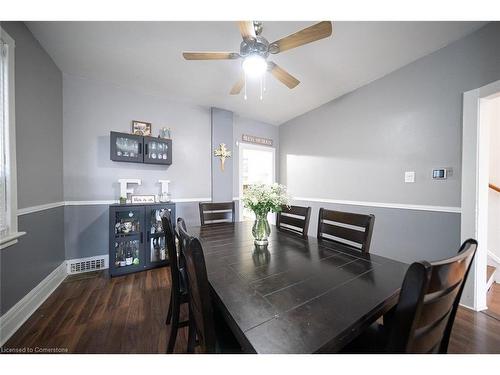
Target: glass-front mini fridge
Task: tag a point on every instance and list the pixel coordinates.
(137, 240)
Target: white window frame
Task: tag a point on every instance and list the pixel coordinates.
(11, 172)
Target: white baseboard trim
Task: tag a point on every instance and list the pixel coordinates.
(42, 207)
(21, 311)
(108, 202)
(188, 200)
(48, 206)
(401, 206)
(90, 203)
(472, 308)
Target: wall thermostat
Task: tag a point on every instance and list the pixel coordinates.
(439, 174)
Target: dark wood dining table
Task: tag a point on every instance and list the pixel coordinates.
(298, 295)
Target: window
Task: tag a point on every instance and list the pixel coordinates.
(8, 183)
(256, 166)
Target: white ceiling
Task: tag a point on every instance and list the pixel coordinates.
(147, 56)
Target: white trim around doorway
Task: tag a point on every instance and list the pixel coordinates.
(475, 163)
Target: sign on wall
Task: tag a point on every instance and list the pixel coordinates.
(257, 140)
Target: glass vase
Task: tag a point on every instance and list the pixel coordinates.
(261, 229)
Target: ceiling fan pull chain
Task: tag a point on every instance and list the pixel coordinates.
(261, 87)
(245, 86)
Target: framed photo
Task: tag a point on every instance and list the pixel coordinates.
(143, 199)
(141, 128)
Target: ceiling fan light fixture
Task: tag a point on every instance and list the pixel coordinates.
(254, 66)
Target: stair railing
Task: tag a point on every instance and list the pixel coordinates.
(494, 187)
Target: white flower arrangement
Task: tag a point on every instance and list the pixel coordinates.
(262, 199)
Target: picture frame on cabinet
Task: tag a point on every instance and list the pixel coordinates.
(141, 128)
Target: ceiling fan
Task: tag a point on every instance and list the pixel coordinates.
(255, 49)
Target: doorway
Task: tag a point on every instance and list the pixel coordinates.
(257, 166)
(476, 175)
(490, 114)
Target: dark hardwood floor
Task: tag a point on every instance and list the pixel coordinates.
(92, 313)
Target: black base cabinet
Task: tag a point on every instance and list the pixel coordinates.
(136, 240)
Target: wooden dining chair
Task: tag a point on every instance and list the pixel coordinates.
(212, 213)
(423, 319)
(181, 224)
(178, 288)
(294, 219)
(346, 228)
(203, 330)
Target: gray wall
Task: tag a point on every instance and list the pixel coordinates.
(357, 147)
(38, 121)
(398, 233)
(243, 125)
(39, 169)
(86, 227)
(25, 264)
(91, 110)
(222, 132)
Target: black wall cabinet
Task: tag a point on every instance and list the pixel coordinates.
(138, 149)
(136, 238)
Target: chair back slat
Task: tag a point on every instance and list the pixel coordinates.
(212, 213)
(428, 303)
(291, 221)
(294, 219)
(348, 234)
(428, 339)
(169, 233)
(359, 220)
(200, 303)
(446, 274)
(296, 210)
(218, 216)
(437, 306)
(345, 227)
(181, 224)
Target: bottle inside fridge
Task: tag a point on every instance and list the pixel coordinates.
(158, 250)
(127, 253)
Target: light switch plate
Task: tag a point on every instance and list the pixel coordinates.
(409, 176)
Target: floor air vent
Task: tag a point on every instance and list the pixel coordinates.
(87, 265)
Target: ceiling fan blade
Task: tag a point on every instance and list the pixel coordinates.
(247, 29)
(282, 75)
(210, 55)
(238, 86)
(309, 34)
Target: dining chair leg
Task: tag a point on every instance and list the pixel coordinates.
(169, 313)
(191, 334)
(174, 326)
